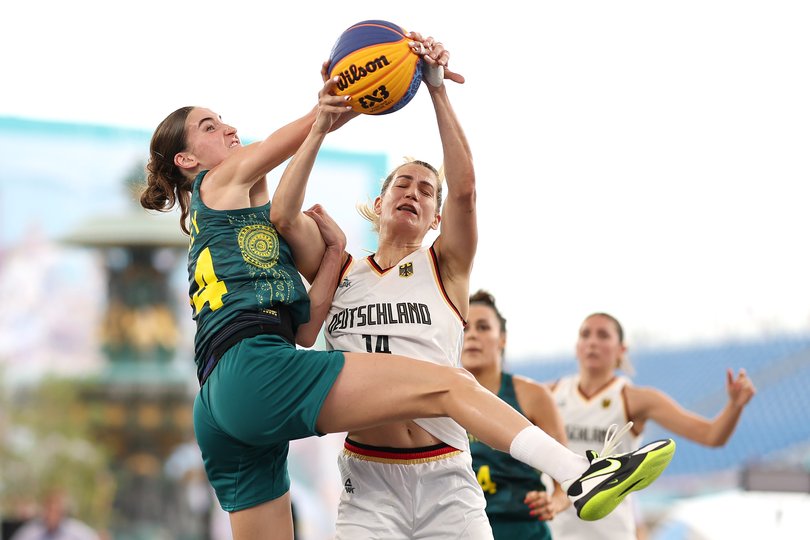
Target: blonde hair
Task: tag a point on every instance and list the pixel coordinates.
(366, 209)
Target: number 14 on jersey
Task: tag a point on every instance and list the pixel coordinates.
(377, 344)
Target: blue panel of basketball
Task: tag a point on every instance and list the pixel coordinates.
(415, 83)
(364, 34)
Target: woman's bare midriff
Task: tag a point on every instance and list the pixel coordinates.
(397, 435)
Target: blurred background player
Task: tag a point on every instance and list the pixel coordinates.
(507, 483)
(598, 396)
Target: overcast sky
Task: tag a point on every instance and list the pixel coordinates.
(650, 159)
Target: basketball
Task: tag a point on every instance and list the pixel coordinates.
(376, 67)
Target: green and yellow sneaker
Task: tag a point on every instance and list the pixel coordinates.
(611, 477)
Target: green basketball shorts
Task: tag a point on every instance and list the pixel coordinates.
(263, 393)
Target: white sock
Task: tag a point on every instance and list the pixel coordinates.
(536, 448)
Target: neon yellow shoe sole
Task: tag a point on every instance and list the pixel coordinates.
(610, 479)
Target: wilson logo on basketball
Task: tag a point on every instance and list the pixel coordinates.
(354, 73)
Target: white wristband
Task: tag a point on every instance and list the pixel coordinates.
(433, 74)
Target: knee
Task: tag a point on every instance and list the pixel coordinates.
(457, 389)
(452, 384)
(461, 379)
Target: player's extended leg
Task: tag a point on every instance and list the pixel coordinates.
(374, 389)
(271, 520)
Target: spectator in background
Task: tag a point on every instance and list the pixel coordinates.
(54, 521)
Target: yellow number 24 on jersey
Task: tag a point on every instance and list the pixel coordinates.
(485, 480)
(211, 289)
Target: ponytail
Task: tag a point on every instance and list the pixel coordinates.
(166, 185)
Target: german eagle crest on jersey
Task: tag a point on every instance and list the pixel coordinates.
(406, 270)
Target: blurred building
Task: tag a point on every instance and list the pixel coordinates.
(99, 294)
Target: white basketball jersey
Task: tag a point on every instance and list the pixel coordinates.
(586, 422)
(400, 310)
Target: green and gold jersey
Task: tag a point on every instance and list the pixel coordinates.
(504, 479)
(237, 263)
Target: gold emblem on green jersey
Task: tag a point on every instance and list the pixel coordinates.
(259, 245)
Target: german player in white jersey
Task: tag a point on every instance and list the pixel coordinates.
(412, 479)
(598, 396)
(422, 469)
(587, 420)
(403, 478)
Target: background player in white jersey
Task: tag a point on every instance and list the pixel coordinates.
(377, 388)
(598, 396)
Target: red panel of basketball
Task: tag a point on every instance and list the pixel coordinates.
(376, 67)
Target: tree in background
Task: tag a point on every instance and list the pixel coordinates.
(46, 443)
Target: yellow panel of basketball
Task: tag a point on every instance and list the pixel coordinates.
(363, 72)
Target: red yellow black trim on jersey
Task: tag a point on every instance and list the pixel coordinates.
(345, 268)
(398, 456)
(435, 260)
(376, 267)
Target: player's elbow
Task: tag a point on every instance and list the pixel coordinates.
(465, 191)
(713, 440)
(717, 442)
(281, 220)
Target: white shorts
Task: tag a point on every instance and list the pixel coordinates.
(425, 493)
